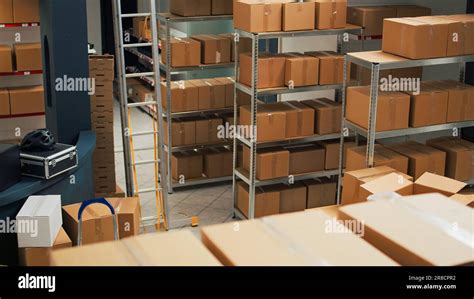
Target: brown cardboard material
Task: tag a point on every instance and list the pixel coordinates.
(176, 249)
(6, 59)
(6, 11)
(305, 117)
(271, 123)
(207, 130)
(141, 28)
(464, 199)
(332, 148)
(254, 16)
(26, 100)
(186, 165)
(429, 107)
(455, 42)
(331, 67)
(356, 158)
(39, 257)
(414, 38)
(306, 158)
(460, 99)
(182, 132)
(191, 8)
(301, 70)
(229, 84)
(217, 162)
(184, 96)
(143, 93)
(459, 157)
(292, 197)
(393, 108)
(370, 18)
(26, 11)
(271, 163)
(421, 158)
(410, 11)
(245, 44)
(432, 183)
(467, 43)
(363, 75)
(267, 201)
(222, 7)
(298, 16)
(401, 240)
(184, 52)
(4, 102)
(388, 183)
(128, 213)
(28, 57)
(217, 93)
(271, 70)
(330, 14)
(321, 193)
(327, 115)
(214, 48)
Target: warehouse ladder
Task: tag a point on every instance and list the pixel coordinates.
(130, 162)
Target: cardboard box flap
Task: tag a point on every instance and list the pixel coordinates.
(464, 199)
(386, 183)
(440, 182)
(91, 212)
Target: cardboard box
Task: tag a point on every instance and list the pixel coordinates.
(217, 93)
(414, 38)
(39, 257)
(298, 16)
(388, 183)
(4, 102)
(306, 158)
(186, 165)
(27, 100)
(6, 59)
(393, 108)
(356, 158)
(321, 193)
(128, 213)
(460, 99)
(229, 84)
(330, 14)
(271, 163)
(432, 183)
(254, 16)
(303, 230)
(455, 29)
(302, 118)
(184, 52)
(327, 115)
(207, 130)
(271, 123)
(429, 107)
(184, 96)
(182, 132)
(28, 57)
(6, 11)
(244, 44)
(401, 240)
(141, 28)
(191, 8)
(176, 249)
(41, 219)
(354, 179)
(271, 70)
(370, 18)
(292, 197)
(222, 7)
(26, 11)
(332, 148)
(143, 93)
(291, 117)
(214, 48)
(466, 43)
(459, 157)
(421, 158)
(331, 67)
(410, 11)
(464, 199)
(267, 201)
(301, 70)
(217, 162)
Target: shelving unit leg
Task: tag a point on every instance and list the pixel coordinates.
(374, 91)
(343, 132)
(253, 125)
(169, 119)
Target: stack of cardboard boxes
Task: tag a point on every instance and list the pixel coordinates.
(23, 57)
(19, 11)
(101, 68)
(193, 8)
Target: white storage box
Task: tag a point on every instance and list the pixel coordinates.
(39, 221)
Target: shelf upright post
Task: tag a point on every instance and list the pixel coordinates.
(253, 125)
(236, 132)
(169, 119)
(374, 92)
(343, 131)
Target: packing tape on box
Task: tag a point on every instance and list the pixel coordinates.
(293, 246)
(456, 232)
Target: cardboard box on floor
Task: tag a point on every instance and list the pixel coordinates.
(299, 16)
(191, 8)
(321, 192)
(460, 99)
(26, 11)
(459, 156)
(393, 108)
(331, 67)
(6, 59)
(255, 16)
(182, 132)
(39, 257)
(28, 57)
(6, 11)
(184, 52)
(327, 115)
(306, 158)
(186, 165)
(432, 183)
(26, 100)
(271, 123)
(356, 158)
(214, 48)
(267, 243)
(401, 240)
(4, 102)
(271, 70)
(330, 14)
(301, 70)
(267, 200)
(128, 213)
(176, 249)
(271, 163)
(222, 7)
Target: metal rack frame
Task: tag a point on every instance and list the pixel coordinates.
(250, 177)
(167, 19)
(376, 66)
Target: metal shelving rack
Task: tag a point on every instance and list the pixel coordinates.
(376, 63)
(250, 177)
(167, 20)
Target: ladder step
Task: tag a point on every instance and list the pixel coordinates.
(150, 190)
(137, 75)
(138, 45)
(145, 162)
(141, 104)
(144, 133)
(133, 15)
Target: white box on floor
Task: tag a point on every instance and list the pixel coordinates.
(39, 221)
